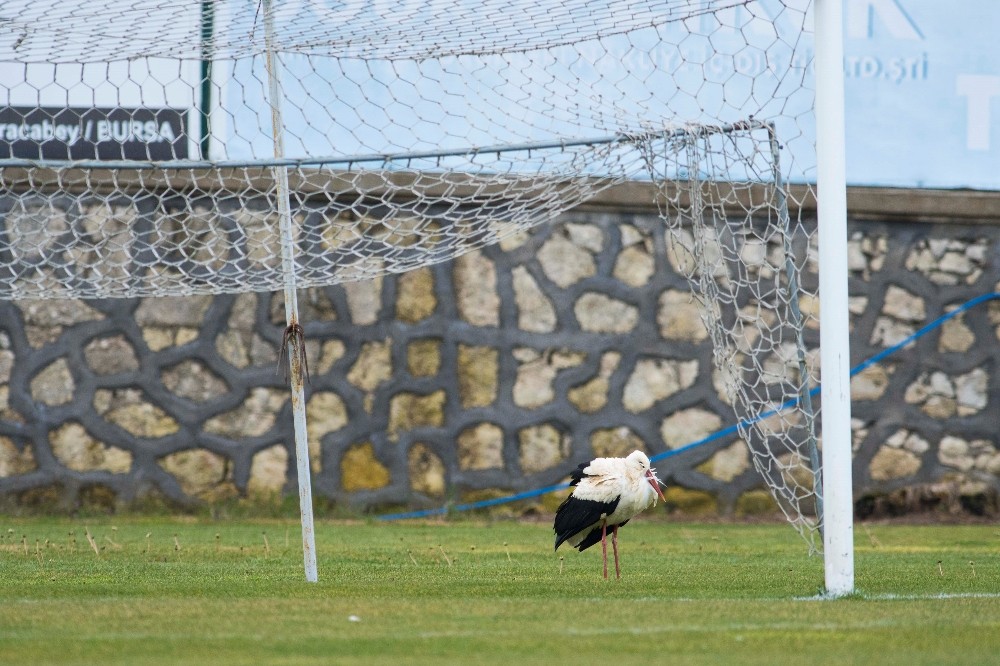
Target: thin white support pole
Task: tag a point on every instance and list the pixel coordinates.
(293, 342)
(838, 499)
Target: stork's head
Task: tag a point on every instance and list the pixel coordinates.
(638, 461)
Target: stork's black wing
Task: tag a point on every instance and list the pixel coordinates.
(575, 515)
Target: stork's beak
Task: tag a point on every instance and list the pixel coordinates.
(655, 482)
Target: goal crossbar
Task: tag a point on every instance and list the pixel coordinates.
(385, 159)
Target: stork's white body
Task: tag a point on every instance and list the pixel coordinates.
(609, 480)
(608, 493)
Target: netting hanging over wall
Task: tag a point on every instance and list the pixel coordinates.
(752, 268)
(148, 157)
(167, 231)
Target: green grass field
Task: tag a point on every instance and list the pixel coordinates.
(165, 591)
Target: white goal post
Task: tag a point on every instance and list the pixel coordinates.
(834, 313)
(224, 146)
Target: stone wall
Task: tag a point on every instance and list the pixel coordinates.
(494, 373)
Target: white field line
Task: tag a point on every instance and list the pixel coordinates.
(820, 597)
(910, 597)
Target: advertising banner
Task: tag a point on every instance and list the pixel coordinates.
(96, 133)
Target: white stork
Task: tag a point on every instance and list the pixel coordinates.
(608, 493)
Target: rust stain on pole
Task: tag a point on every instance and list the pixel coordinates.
(293, 344)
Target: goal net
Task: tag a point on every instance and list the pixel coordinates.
(220, 146)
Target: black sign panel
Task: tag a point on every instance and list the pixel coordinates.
(104, 134)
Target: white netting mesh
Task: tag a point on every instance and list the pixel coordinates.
(752, 267)
(81, 32)
(155, 152)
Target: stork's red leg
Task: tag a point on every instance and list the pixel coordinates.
(614, 546)
(604, 545)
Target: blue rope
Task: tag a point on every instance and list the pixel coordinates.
(719, 434)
